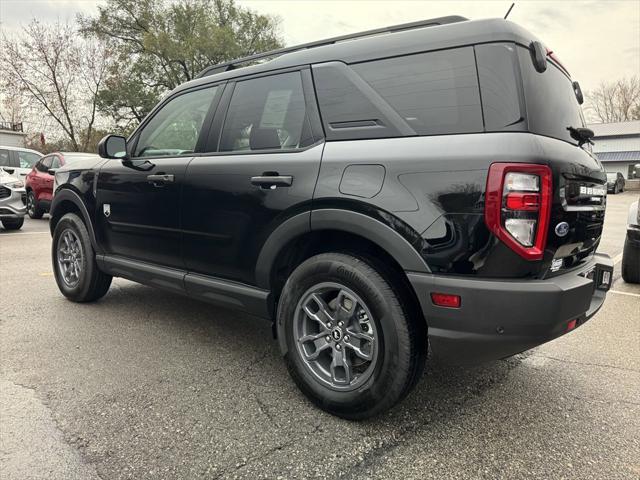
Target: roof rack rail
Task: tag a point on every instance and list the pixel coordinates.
(233, 64)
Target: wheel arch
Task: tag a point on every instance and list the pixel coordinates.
(66, 201)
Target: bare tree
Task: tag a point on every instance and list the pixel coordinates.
(616, 101)
(60, 74)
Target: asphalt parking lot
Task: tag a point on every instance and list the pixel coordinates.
(145, 384)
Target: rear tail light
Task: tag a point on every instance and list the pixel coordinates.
(517, 206)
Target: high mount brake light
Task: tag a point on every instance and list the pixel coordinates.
(518, 205)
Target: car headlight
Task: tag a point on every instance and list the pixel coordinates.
(14, 184)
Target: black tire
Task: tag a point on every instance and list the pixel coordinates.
(33, 210)
(401, 334)
(92, 284)
(630, 263)
(13, 223)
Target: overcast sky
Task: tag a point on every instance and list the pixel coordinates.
(596, 40)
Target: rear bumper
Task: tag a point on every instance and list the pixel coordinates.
(499, 318)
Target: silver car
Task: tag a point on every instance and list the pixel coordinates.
(12, 201)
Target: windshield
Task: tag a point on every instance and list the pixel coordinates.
(551, 101)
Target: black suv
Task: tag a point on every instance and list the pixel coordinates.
(429, 183)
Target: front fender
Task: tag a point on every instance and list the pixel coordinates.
(60, 206)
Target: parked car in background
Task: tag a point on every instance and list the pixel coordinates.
(39, 181)
(18, 161)
(631, 252)
(369, 196)
(615, 182)
(12, 201)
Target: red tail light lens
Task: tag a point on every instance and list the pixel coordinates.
(517, 206)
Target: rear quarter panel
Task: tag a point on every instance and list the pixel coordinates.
(433, 193)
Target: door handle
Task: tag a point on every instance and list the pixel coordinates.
(272, 181)
(161, 178)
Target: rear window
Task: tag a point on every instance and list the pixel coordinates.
(551, 102)
(435, 92)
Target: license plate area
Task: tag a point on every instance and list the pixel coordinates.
(600, 275)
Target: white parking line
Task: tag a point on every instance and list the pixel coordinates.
(22, 233)
(617, 258)
(625, 293)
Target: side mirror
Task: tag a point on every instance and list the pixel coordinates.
(538, 56)
(113, 146)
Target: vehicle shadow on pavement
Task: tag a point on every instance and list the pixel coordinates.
(148, 381)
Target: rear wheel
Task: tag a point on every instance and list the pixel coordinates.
(352, 345)
(13, 223)
(74, 262)
(32, 206)
(630, 263)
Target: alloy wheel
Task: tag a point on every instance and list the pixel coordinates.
(70, 257)
(336, 336)
(31, 204)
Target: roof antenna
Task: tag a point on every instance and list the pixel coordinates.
(509, 11)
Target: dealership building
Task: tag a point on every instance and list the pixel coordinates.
(617, 145)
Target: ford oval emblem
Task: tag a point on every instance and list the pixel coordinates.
(562, 229)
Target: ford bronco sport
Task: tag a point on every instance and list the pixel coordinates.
(429, 183)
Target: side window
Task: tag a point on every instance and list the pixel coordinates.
(27, 159)
(497, 63)
(44, 165)
(175, 128)
(5, 158)
(267, 113)
(435, 92)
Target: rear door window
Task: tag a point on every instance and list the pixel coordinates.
(267, 113)
(436, 92)
(27, 159)
(5, 158)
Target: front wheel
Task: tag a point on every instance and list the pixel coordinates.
(351, 342)
(74, 262)
(13, 223)
(33, 210)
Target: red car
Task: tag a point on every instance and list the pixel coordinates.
(39, 181)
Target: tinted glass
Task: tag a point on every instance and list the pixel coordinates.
(497, 67)
(552, 106)
(350, 108)
(175, 128)
(45, 164)
(5, 158)
(267, 113)
(27, 159)
(436, 92)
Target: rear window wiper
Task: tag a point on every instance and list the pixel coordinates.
(581, 135)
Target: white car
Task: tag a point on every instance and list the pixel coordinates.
(12, 201)
(18, 161)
